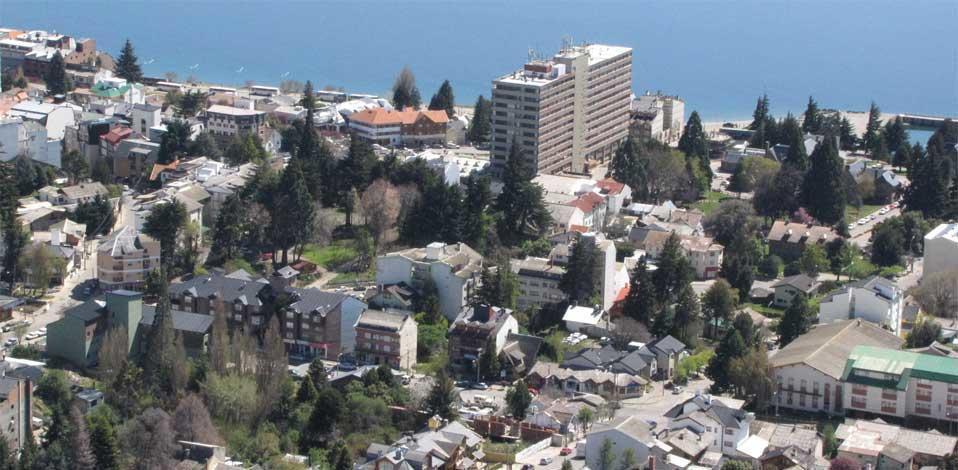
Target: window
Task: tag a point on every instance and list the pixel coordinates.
(729, 431)
(888, 406)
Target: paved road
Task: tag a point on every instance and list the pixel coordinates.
(861, 234)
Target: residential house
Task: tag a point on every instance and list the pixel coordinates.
(384, 337)
(55, 118)
(26, 137)
(901, 384)
(640, 362)
(409, 127)
(72, 195)
(668, 352)
(566, 218)
(722, 427)
(78, 335)
(399, 297)
(538, 281)
(657, 116)
(442, 446)
(592, 321)
(125, 257)
(886, 446)
(607, 384)
(562, 414)
(788, 240)
(453, 269)
(520, 353)
(702, 252)
(875, 299)
(795, 442)
(941, 250)
(320, 324)
(477, 328)
(808, 371)
(624, 432)
(787, 289)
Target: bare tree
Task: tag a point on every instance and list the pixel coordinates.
(291, 86)
(381, 204)
(938, 294)
(192, 422)
(82, 452)
(628, 330)
(219, 342)
(271, 368)
(149, 437)
(170, 76)
(113, 354)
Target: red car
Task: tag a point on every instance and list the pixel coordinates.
(565, 451)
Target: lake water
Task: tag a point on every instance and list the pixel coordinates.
(719, 56)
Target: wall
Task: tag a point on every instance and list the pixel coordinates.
(620, 442)
(797, 373)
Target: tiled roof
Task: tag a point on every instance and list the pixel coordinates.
(408, 116)
(826, 347)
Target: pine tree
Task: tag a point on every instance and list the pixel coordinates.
(812, 122)
(873, 129)
(524, 215)
(929, 189)
(518, 398)
(159, 359)
(641, 301)
(822, 187)
(294, 210)
(902, 157)
(761, 113)
(228, 231)
(127, 66)
(718, 303)
(56, 78)
(730, 348)
(104, 443)
(687, 322)
(405, 93)
(674, 271)
(579, 281)
(481, 124)
(895, 134)
(796, 320)
(444, 99)
(695, 145)
(7, 459)
(442, 397)
(793, 137)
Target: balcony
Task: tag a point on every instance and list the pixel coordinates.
(862, 391)
(923, 397)
(859, 403)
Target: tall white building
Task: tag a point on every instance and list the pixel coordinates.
(941, 249)
(564, 110)
(875, 299)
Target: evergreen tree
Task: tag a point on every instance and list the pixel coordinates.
(127, 66)
(719, 302)
(356, 168)
(499, 287)
(405, 93)
(7, 459)
(796, 320)
(812, 122)
(444, 99)
(581, 279)
(294, 211)
(228, 231)
(481, 124)
(523, 212)
(663, 322)
(627, 166)
(730, 348)
(674, 271)
(902, 157)
(895, 134)
(56, 78)
(693, 142)
(159, 358)
(104, 442)
(476, 220)
(97, 215)
(442, 397)
(928, 191)
(640, 303)
(761, 113)
(687, 321)
(873, 129)
(822, 188)
(519, 399)
(793, 137)
(81, 451)
(165, 223)
(738, 264)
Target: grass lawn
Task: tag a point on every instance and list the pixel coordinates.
(332, 255)
(852, 213)
(347, 278)
(770, 312)
(710, 202)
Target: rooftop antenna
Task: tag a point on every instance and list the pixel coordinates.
(566, 43)
(532, 55)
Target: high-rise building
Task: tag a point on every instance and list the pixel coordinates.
(563, 111)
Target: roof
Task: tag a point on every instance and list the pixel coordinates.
(408, 116)
(231, 111)
(117, 134)
(382, 320)
(630, 425)
(945, 231)
(84, 190)
(87, 311)
(793, 232)
(801, 282)
(668, 345)
(826, 347)
(460, 256)
(583, 315)
(882, 434)
(124, 241)
(314, 300)
(234, 287)
(182, 321)
(551, 369)
(902, 365)
(9, 302)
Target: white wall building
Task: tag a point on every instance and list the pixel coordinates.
(875, 299)
(941, 249)
(453, 269)
(624, 432)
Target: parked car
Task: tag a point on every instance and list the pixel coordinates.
(545, 461)
(479, 386)
(10, 342)
(677, 389)
(565, 451)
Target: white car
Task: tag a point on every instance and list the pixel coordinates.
(862, 221)
(883, 211)
(33, 335)
(851, 226)
(42, 331)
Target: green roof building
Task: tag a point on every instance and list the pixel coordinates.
(899, 383)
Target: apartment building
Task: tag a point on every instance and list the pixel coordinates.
(385, 337)
(237, 295)
(941, 249)
(320, 323)
(565, 110)
(538, 281)
(16, 410)
(452, 269)
(225, 122)
(875, 299)
(124, 258)
(476, 329)
(902, 384)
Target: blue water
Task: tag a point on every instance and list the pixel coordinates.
(717, 55)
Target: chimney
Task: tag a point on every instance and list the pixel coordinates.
(651, 462)
(434, 250)
(56, 236)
